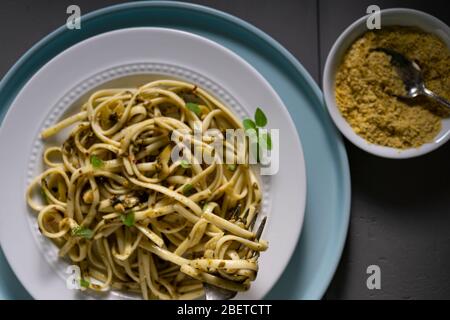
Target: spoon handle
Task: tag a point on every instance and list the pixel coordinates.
(434, 96)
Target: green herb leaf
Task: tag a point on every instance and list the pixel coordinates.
(185, 164)
(194, 108)
(265, 141)
(96, 162)
(128, 219)
(231, 167)
(252, 134)
(188, 189)
(262, 140)
(260, 118)
(254, 143)
(82, 232)
(84, 283)
(249, 124)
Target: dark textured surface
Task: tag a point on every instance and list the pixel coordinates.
(293, 23)
(400, 217)
(400, 208)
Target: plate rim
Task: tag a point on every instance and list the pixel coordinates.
(10, 82)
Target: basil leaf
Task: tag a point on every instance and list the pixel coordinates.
(84, 283)
(82, 232)
(194, 108)
(185, 164)
(265, 141)
(96, 162)
(128, 219)
(260, 118)
(249, 124)
(252, 134)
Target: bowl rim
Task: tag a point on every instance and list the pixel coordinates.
(328, 81)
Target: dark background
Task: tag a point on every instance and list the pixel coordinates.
(400, 216)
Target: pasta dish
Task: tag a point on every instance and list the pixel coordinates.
(117, 204)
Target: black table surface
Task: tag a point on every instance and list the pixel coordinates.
(400, 213)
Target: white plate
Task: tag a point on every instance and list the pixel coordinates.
(131, 57)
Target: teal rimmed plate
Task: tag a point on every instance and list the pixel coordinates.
(327, 213)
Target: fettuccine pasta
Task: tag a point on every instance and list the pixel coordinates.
(118, 206)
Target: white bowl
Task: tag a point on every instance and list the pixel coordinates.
(402, 17)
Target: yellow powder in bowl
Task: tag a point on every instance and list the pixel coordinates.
(367, 87)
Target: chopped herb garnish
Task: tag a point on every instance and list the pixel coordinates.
(188, 189)
(249, 124)
(81, 231)
(141, 195)
(265, 141)
(194, 108)
(185, 164)
(84, 283)
(113, 117)
(44, 196)
(231, 167)
(128, 219)
(260, 118)
(115, 200)
(101, 179)
(96, 162)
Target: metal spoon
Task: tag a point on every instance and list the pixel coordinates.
(411, 75)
